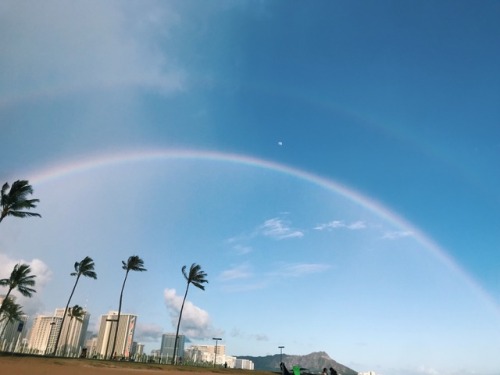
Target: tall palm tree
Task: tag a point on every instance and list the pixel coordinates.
(134, 263)
(197, 277)
(20, 280)
(76, 312)
(14, 202)
(11, 312)
(83, 268)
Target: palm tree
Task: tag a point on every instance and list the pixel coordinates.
(11, 312)
(14, 202)
(20, 280)
(75, 312)
(197, 277)
(134, 263)
(83, 268)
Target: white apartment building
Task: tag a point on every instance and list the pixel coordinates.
(124, 339)
(43, 334)
(206, 353)
(244, 364)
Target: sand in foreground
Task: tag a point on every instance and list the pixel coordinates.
(60, 366)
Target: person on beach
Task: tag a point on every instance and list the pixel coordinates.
(325, 371)
(333, 371)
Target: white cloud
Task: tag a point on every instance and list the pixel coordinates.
(195, 321)
(394, 235)
(339, 224)
(279, 229)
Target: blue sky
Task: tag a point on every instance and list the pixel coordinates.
(332, 166)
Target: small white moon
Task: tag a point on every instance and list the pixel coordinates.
(280, 143)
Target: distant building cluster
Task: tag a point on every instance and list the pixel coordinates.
(75, 341)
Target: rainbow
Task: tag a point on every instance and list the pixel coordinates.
(108, 160)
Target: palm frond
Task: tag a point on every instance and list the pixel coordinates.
(21, 280)
(76, 312)
(15, 201)
(85, 268)
(134, 263)
(196, 276)
(11, 310)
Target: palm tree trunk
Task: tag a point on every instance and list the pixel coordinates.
(118, 318)
(64, 316)
(178, 325)
(66, 339)
(3, 329)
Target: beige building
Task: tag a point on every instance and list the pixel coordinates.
(124, 339)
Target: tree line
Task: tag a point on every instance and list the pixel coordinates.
(14, 202)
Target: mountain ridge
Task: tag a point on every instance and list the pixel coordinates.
(312, 363)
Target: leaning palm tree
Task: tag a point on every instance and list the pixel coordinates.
(11, 313)
(134, 263)
(20, 280)
(197, 277)
(14, 202)
(76, 312)
(83, 268)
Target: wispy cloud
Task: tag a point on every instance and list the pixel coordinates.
(279, 229)
(242, 249)
(246, 286)
(238, 333)
(339, 224)
(302, 269)
(394, 235)
(238, 272)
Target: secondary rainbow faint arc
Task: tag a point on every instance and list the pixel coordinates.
(107, 160)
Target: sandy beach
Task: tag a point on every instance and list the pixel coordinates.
(21, 365)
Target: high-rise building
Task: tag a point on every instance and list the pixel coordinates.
(43, 334)
(139, 351)
(124, 339)
(167, 345)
